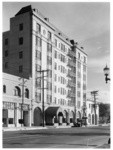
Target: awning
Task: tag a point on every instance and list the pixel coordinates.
(53, 111)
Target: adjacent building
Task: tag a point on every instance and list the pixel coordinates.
(54, 66)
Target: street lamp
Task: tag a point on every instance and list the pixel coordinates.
(106, 73)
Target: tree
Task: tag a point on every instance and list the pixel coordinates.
(104, 112)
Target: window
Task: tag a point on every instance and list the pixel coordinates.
(84, 86)
(78, 104)
(6, 65)
(38, 67)
(55, 42)
(20, 69)
(49, 74)
(49, 35)
(38, 28)
(11, 120)
(79, 65)
(17, 91)
(20, 54)
(55, 77)
(49, 60)
(20, 26)
(49, 86)
(55, 67)
(49, 48)
(26, 93)
(6, 53)
(49, 98)
(6, 41)
(38, 54)
(84, 77)
(62, 47)
(38, 41)
(84, 59)
(55, 100)
(4, 88)
(78, 55)
(20, 40)
(55, 89)
(84, 68)
(84, 96)
(78, 84)
(55, 54)
(38, 82)
(78, 93)
(38, 96)
(79, 74)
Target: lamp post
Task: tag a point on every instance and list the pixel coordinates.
(106, 73)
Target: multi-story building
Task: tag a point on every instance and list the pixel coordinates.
(36, 50)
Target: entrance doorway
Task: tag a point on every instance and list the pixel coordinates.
(37, 117)
(5, 117)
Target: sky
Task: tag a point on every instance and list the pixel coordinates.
(88, 23)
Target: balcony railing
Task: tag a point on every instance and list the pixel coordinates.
(71, 53)
(71, 63)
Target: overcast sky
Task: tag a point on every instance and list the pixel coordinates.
(86, 23)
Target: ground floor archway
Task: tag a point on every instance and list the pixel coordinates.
(37, 117)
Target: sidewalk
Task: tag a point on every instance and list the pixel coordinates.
(31, 128)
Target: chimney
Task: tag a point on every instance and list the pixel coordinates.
(47, 19)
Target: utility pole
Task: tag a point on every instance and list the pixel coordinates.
(23, 85)
(43, 111)
(94, 94)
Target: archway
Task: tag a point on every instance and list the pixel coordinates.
(89, 118)
(37, 117)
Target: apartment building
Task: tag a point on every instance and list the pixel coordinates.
(56, 66)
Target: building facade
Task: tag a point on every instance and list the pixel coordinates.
(92, 112)
(55, 66)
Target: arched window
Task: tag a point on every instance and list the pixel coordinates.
(17, 91)
(4, 88)
(26, 93)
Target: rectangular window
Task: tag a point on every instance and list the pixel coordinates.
(79, 74)
(55, 77)
(55, 67)
(55, 42)
(38, 41)
(38, 54)
(84, 86)
(38, 28)
(20, 40)
(6, 53)
(20, 69)
(49, 48)
(78, 104)
(6, 41)
(55, 89)
(62, 47)
(38, 67)
(55, 54)
(78, 93)
(84, 68)
(84, 59)
(49, 60)
(21, 55)
(79, 65)
(49, 74)
(49, 86)
(20, 26)
(84, 77)
(49, 35)
(78, 84)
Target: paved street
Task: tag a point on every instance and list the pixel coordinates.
(84, 137)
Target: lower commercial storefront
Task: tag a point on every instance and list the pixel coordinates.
(14, 113)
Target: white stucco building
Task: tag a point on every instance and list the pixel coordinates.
(34, 45)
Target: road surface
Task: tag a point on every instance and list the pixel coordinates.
(76, 137)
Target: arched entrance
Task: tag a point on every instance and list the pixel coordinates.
(89, 118)
(71, 117)
(65, 116)
(37, 117)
